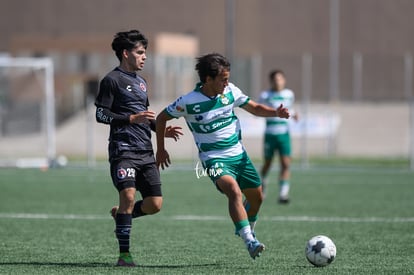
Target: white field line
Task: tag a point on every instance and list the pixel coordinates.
(214, 218)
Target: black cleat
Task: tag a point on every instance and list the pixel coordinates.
(284, 200)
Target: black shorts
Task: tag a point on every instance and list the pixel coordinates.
(144, 177)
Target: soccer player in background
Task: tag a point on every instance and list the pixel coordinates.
(123, 103)
(276, 136)
(209, 113)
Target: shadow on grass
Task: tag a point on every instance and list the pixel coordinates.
(179, 265)
(59, 264)
(96, 264)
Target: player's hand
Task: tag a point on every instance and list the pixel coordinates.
(142, 117)
(282, 112)
(162, 159)
(173, 132)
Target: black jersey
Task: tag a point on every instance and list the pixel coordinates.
(122, 94)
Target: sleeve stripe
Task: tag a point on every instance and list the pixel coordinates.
(247, 100)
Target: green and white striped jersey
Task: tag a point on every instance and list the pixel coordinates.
(277, 125)
(212, 121)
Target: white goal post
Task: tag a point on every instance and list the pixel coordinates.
(27, 112)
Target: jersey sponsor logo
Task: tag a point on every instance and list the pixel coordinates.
(102, 117)
(221, 123)
(212, 126)
(143, 87)
(129, 88)
(224, 113)
(198, 117)
(196, 108)
(205, 128)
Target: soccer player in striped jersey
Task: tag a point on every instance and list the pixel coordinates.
(277, 137)
(209, 113)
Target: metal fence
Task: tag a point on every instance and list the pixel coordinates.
(361, 77)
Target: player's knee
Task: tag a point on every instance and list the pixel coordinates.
(260, 199)
(234, 194)
(285, 163)
(127, 197)
(257, 201)
(154, 206)
(229, 187)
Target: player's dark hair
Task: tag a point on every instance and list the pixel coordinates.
(275, 72)
(127, 41)
(211, 65)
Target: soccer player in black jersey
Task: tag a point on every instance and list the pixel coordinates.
(122, 102)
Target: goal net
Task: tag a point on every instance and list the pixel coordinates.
(27, 112)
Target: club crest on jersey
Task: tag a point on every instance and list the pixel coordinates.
(121, 173)
(143, 87)
(224, 99)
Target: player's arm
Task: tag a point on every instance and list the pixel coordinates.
(104, 115)
(262, 110)
(170, 131)
(162, 156)
(103, 103)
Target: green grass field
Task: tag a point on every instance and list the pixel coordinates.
(57, 222)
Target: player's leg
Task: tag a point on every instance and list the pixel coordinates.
(149, 185)
(254, 199)
(124, 181)
(284, 174)
(250, 184)
(147, 181)
(265, 170)
(147, 206)
(126, 200)
(123, 221)
(228, 185)
(284, 178)
(223, 173)
(123, 218)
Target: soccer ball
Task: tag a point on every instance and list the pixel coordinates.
(320, 251)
